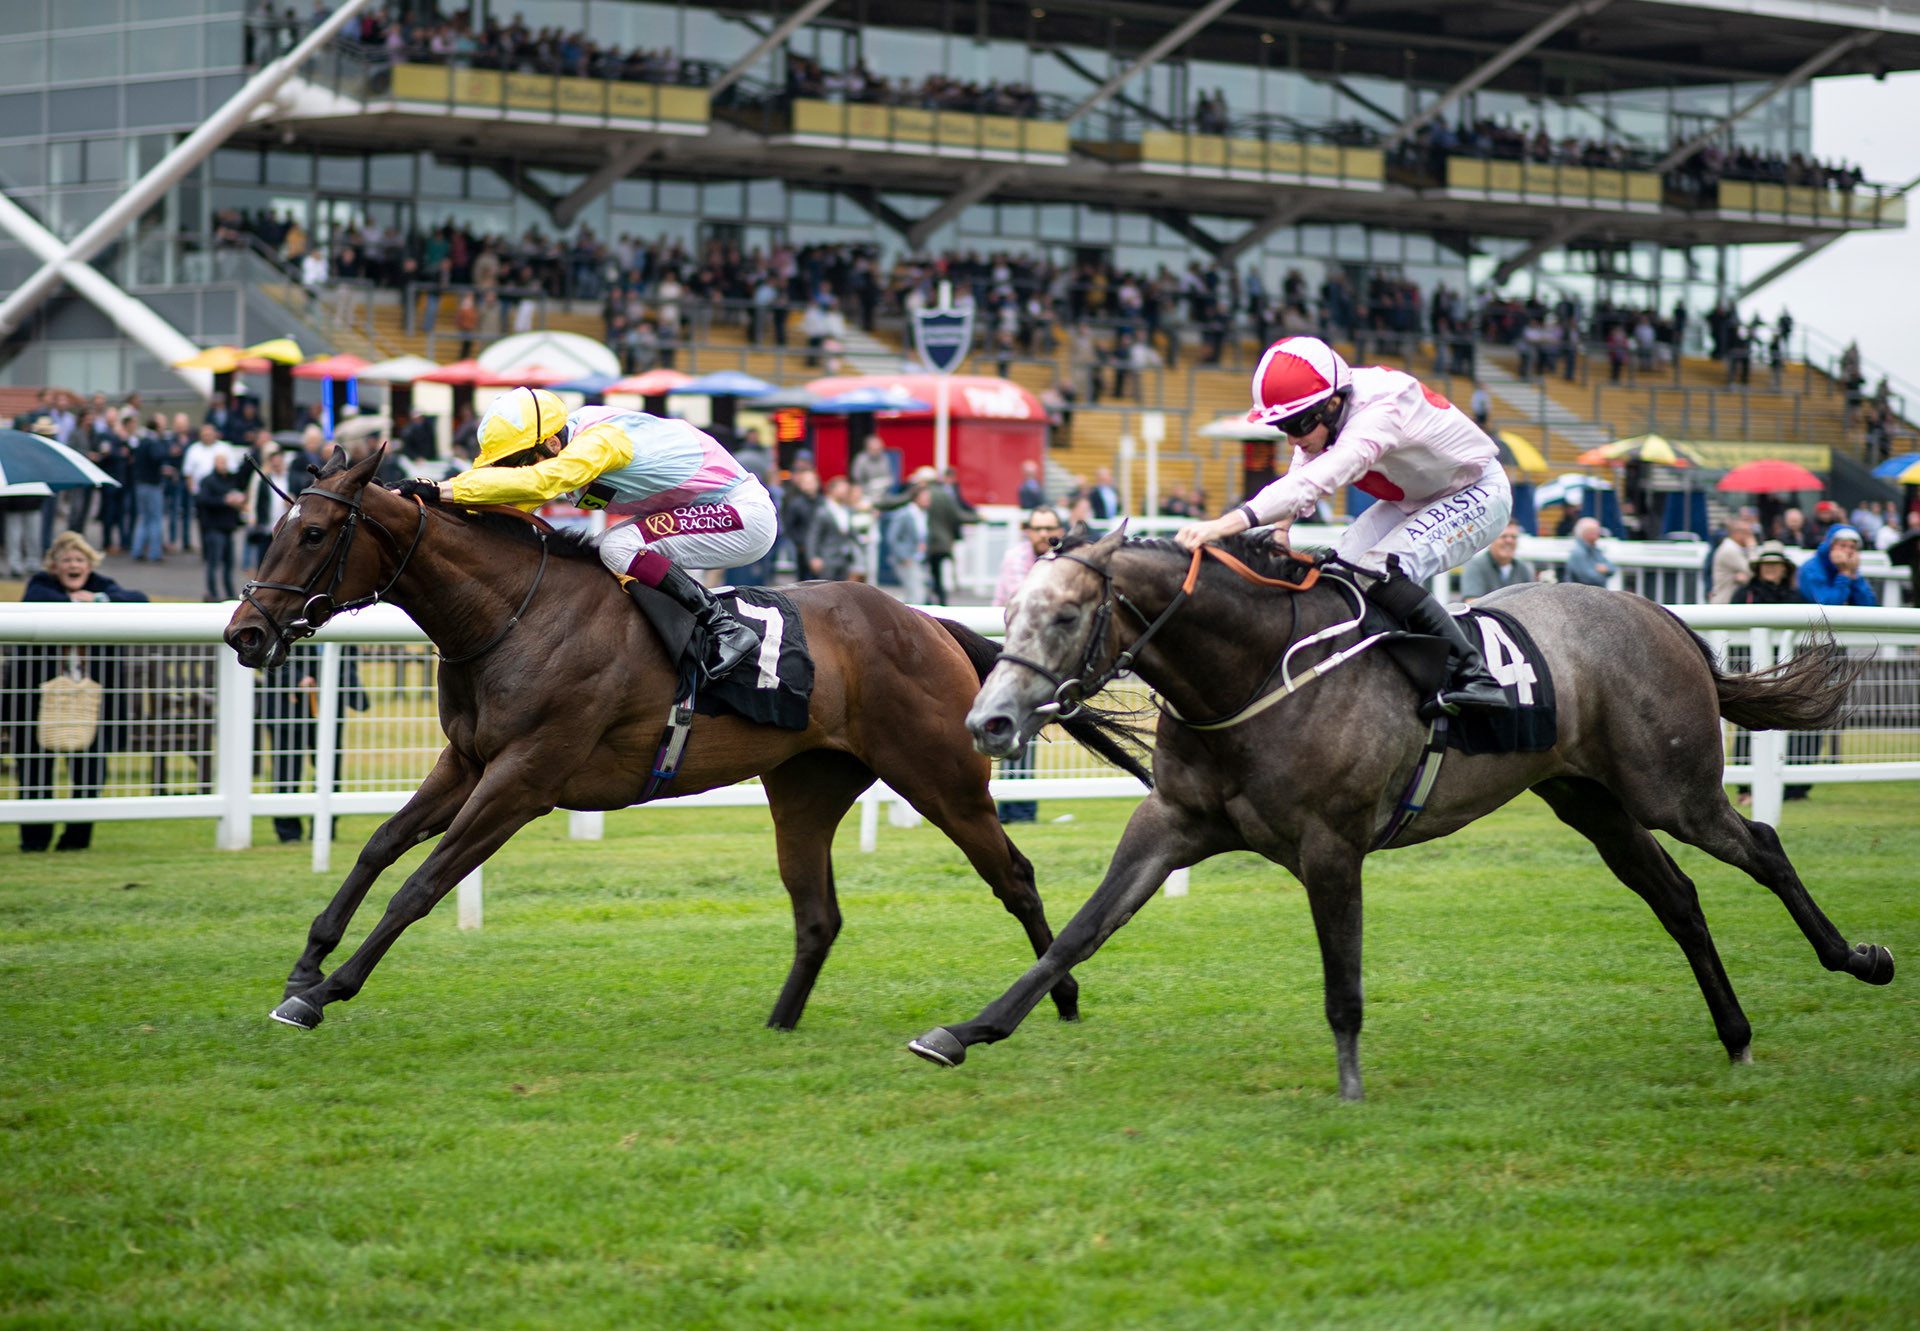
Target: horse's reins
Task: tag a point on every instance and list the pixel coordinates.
(317, 607)
(1071, 692)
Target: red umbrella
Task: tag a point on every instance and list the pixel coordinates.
(465, 372)
(331, 367)
(1769, 476)
(531, 375)
(651, 384)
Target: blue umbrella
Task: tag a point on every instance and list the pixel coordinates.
(1890, 469)
(857, 400)
(31, 457)
(588, 385)
(725, 383)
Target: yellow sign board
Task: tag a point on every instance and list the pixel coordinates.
(1609, 186)
(1323, 159)
(1466, 173)
(1726, 456)
(811, 117)
(478, 87)
(1539, 178)
(957, 129)
(1503, 177)
(1643, 187)
(1247, 155)
(1770, 198)
(530, 92)
(582, 97)
(867, 122)
(912, 125)
(1363, 164)
(684, 104)
(421, 83)
(1208, 150)
(1000, 133)
(1046, 136)
(632, 101)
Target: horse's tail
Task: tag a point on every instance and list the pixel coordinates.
(1808, 692)
(1110, 737)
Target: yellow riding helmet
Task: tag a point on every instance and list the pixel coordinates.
(518, 420)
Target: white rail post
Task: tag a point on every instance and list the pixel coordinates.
(233, 753)
(870, 819)
(1178, 882)
(326, 756)
(586, 825)
(1768, 747)
(467, 897)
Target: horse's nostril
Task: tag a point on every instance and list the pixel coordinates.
(996, 726)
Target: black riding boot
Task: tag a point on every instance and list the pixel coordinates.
(729, 642)
(1470, 685)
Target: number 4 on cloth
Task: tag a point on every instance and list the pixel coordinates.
(1507, 663)
(772, 630)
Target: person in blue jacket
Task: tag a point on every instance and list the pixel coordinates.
(1831, 575)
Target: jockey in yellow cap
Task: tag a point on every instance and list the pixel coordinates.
(676, 497)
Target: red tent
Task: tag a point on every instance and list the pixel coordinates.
(331, 367)
(531, 375)
(465, 373)
(995, 425)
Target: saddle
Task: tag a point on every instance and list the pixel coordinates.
(773, 687)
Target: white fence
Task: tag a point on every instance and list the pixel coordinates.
(189, 733)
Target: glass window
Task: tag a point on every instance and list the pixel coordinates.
(169, 102)
(977, 220)
(80, 109)
(68, 160)
(23, 64)
(766, 200)
(341, 173)
(106, 160)
(809, 205)
(166, 50)
(226, 43)
(722, 198)
(633, 196)
(1134, 229)
(1350, 242)
(95, 55)
(442, 179)
(1016, 220)
(23, 166)
(241, 165)
(153, 9)
(486, 184)
(289, 168)
(89, 13)
(679, 196)
(1096, 225)
(1056, 221)
(390, 173)
(149, 149)
(24, 113)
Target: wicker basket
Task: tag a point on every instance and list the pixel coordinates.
(69, 713)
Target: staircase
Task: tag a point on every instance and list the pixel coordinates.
(1568, 433)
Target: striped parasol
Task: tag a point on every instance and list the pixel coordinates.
(1655, 449)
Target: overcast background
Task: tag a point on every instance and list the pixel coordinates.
(1865, 287)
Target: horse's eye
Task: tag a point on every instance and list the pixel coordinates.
(311, 536)
(1066, 618)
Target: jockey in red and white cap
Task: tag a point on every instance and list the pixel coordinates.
(1443, 496)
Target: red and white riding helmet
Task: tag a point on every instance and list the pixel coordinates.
(1295, 373)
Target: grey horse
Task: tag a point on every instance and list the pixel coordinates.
(1640, 700)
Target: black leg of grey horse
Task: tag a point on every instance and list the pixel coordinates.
(1330, 871)
(430, 812)
(500, 806)
(1643, 864)
(1715, 826)
(1158, 840)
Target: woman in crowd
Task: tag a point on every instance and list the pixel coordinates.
(71, 575)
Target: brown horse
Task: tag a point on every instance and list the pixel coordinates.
(554, 691)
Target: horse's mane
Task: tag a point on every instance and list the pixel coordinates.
(564, 542)
(1256, 551)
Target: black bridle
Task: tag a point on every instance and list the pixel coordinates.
(1070, 692)
(317, 607)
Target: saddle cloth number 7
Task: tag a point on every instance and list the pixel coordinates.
(772, 631)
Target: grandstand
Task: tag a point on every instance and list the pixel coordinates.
(1438, 183)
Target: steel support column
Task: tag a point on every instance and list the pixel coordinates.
(617, 168)
(1285, 215)
(172, 168)
(1807, 250)
(1492, 69)
(787, 26)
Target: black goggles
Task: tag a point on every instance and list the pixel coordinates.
(1298, 427)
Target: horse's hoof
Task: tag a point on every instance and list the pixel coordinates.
(1744, 1054)
(297, 1011)
(941, 1046)
(1872, 963)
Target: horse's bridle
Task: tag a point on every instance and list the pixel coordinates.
(317, 607)
(1071, 692)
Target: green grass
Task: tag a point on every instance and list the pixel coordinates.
(575, 1118)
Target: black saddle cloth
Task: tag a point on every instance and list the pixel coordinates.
(772, 687)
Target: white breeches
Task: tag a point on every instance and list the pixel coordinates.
(1440, 534)
(738, 531)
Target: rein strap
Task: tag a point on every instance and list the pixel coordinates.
(1286, 690)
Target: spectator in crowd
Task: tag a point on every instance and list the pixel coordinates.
(1831, 574)
(1104, 496)
(1495, 567)
(264, 507)
(1032, 492)
(287, 704)
(1585, 563)
(1772, 580)
(71, 575)
(1731, 565)
(799, 504)
(834, 544)
(1791, 528)
(221, 501)
(876, 468)
(1039, 534)
(906, 533)
(948, 515)
(151, 462)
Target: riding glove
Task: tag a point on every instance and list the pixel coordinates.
(419, 487)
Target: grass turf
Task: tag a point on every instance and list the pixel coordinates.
(574, 1118)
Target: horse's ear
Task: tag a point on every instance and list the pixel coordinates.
(1106, 545)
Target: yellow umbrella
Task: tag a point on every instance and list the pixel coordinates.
(215, 360)
(1911, 476)
(1521, 452)
(282, 350)
(1653, 448)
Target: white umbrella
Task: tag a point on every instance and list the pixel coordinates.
(26, 490)
(1238, 427)
(399, 370)
(33, 457)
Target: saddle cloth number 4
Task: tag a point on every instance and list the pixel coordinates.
(1507, 663)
